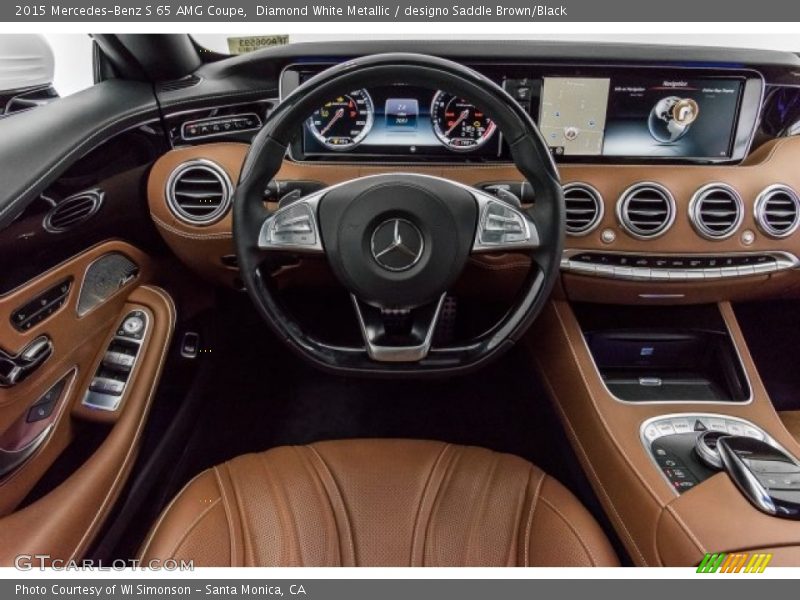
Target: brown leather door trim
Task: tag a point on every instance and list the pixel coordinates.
(63, 523)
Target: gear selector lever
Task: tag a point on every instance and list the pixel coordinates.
(767, 476)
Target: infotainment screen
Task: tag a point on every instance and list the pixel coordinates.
(573, 114)
(640, 116)
(676, 117)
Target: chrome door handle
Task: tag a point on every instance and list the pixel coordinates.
(16, 368)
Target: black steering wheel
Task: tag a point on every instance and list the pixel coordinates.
(398, 241)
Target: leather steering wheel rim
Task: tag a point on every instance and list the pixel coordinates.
(530, 155)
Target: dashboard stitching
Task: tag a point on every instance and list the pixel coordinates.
(194, 236)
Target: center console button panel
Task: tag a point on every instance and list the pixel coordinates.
(672, 442)
(668, 267)
(113, 373)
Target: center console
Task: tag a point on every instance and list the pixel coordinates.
(673, 425)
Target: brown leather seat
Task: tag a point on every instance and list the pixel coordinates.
(378, 503)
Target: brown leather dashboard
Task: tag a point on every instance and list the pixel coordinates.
(202, 247)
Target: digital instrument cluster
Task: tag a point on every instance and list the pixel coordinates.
(399, 120)
(586, 114)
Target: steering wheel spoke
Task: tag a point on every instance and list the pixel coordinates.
(502, 226)
(294, 227)
(398, 335)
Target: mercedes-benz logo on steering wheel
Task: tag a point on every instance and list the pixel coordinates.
(397, 245)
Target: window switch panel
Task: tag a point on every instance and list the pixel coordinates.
(113, 374)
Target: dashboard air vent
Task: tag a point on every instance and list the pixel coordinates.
(199, 192)
(584, 207)
(778, 211)
(73, 211)
(716, 211)
(180, 84)
(646, 210)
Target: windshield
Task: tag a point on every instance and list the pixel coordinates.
(242, 43)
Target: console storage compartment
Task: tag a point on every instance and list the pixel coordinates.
(664, 354)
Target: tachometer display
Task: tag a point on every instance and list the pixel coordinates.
(343, 122)
(458, 124)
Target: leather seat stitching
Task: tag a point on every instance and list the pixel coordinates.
(285, 513)
(515, 551)
(165, 513)
(308, 454)
(478, 509)
(228, 517)
(246, 547)
(423, 498)
(529, 524)
(197, 520)
(574, 531)
(345, 513)
(458, 453)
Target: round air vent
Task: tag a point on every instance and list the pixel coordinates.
(716, 211)
(199, 192)
(584, 207)
(778, 211)
(73, 211)
(646, 210)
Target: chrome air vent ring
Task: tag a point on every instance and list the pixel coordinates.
(777, 211)
(646, 210)
(584, 208)
(73, 211)
(199, 192)
(716, 211)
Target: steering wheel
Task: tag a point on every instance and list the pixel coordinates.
(398, 241)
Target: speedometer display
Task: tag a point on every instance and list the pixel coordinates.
(343, 122)
(458, 124)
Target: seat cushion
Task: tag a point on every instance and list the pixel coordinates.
(378, 503)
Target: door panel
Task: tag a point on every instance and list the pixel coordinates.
(64, 521)
(76, 342)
